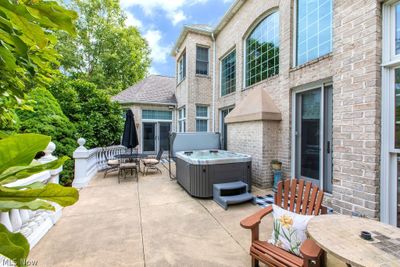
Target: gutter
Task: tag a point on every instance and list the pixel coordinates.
(214, 81)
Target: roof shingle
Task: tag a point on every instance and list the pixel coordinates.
(153, 89)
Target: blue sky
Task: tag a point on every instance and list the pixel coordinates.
(161, 21)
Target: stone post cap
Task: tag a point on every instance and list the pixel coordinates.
(48, 153)
(81, 151)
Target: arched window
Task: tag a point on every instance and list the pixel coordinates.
(262, 50)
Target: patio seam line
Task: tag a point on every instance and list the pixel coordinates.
(140, 220)
(223, 227)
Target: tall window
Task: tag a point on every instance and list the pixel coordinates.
(390, 137)
(314, 29)
(228, 74)
(182, 67)
(201, 60)
(182, 120)
(262, 50)
(201, 118)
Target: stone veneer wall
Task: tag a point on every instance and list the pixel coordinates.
(354, 69)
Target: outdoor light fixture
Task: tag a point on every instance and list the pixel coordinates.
(171, 107)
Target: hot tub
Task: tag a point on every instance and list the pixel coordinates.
(197, 171)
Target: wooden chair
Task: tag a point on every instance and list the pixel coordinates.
(297, 196)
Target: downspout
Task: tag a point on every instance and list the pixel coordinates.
(214, 82)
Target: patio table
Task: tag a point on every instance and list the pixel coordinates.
(132, 156)
(339, 235)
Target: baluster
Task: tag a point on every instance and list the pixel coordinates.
(5, 220)
(24, 216)
(15, 219)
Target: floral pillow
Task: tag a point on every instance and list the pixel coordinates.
(289, 231)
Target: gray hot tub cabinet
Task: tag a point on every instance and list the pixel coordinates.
(198, 178)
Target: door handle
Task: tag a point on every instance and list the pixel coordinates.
(328, 147)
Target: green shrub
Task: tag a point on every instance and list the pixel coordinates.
(48, 119)
(96, 117)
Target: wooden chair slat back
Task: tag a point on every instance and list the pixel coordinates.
(305, 198)
(312, 199)
(286, 196)
(293, 186)
(299, 196)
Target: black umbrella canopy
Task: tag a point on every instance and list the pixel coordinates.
(130, 137)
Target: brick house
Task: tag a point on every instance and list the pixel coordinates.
(310, 83)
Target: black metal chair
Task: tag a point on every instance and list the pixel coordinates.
(151, 163)
(125, 167)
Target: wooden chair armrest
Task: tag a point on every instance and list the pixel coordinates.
(255, 219)
(310, 250)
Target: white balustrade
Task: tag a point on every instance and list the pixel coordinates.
(34, 224)
(89, 162)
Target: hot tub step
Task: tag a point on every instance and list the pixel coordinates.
(228, 200)
(231, 193)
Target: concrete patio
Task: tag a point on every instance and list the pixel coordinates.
(150, 222)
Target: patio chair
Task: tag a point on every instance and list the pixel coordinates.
(125, 167)
(152, 163)
(112, 164)
(305, 201)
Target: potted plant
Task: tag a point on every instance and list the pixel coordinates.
(276, 165)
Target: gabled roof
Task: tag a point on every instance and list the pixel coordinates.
(256, 106)
(155, 89)
(207, 29)
(203, 29)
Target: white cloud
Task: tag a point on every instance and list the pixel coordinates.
(132, 21)
(172, 8)
(159, 52)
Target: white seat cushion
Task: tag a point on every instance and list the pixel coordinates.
(289, 230)
(113, 162)
(150, 161)
(127, 165)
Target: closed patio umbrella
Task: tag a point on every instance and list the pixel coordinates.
(130, 137)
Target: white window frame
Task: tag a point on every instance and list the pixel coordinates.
(220, 72)
(244, 43)
(200, 118)
(208, 60)
(389, 153)
(182, 120)
(181, 67)
(294, 39)
(156, 120)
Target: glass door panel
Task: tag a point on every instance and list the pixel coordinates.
(328, 138)
(308, 128)
(149, 137)
(224, 128)
(164, 128)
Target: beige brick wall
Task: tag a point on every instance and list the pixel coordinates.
(195, 89)
(354, 69)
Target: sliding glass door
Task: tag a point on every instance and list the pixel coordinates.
(155, 136)
(313, 136)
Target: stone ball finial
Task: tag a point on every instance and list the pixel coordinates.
(81, 141)
(51, 147)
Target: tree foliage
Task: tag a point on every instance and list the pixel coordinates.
(48, 118)
(95, 116)
(105, 52)
(27, 49)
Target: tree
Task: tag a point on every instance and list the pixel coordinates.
(48, 118)
(105, 52)
(95, 116)
(27, 53)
